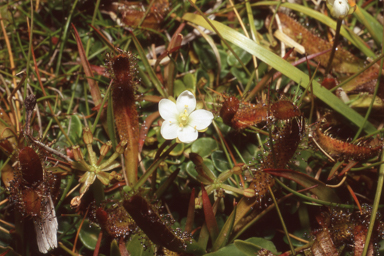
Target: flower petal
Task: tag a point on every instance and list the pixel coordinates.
(187, 134)
(187, 101)
(169, 129)
(200, 119)
(167, 109)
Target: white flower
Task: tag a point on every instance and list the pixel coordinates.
(340, 8)
(180, 119)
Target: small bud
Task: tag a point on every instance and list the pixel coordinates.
(198, 203)
(248, 192)
(87, 136)
(237, 169)
(112, 175)
(77, 155)
(121, 147)
(339, 8)
(105, 148)
(75, 202)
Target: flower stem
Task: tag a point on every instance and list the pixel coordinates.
(335, 43)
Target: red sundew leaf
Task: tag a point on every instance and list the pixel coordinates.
(132, 13)
(102, 216)
(321, 191)
(210, 219)
(191, 212)
(30, 163)
(250, 115)
(344, 61)
(324, 245)
(115, 221)
(341, 149)
(229, 109)
(31, 202)
(360, 233)
(148, 220)
(124, 86)
(286, 142)
(284, 109)
(240, 115)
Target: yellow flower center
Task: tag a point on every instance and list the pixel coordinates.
(183, 118)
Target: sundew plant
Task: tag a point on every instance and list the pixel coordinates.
(207, 127)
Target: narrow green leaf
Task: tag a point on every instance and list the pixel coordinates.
(156, 82)
(160, 191)
(225, 232)
(370, 23)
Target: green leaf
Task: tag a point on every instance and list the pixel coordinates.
(115, 248)
(206, 55)
(243, 55)
(228, 250)
(190, 81)
(204, 146)
(254, 244)
(191, 170)
(135, 247)
(225, 232)
(370, 23)
(178, 87)
(240, 75)
(245, 248)
(202, 74)
(220, 161)
(89, 235)
(178, 150)
(284, 67)
(76, 128)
